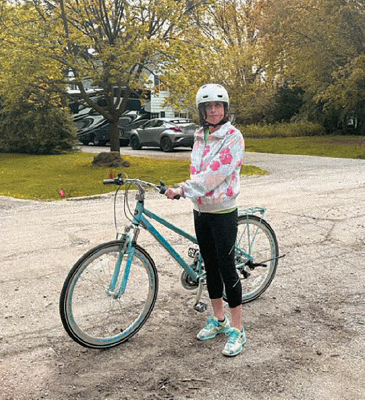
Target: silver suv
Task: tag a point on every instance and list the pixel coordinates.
(165, 133)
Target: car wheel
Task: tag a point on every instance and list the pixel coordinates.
(98, 142)
(135, 143)
(166, 144)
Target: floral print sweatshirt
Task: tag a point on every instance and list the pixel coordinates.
(215, 169)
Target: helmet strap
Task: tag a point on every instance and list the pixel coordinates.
(222, 122)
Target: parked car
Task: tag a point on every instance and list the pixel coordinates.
(126, 128)
(94, 128)
(165, 133)
(127, 123)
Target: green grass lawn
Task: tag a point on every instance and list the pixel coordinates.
(42, 177)
(325, 146)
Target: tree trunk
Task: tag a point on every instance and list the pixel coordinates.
(114, 136)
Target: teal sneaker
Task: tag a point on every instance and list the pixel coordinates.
(236, 341)
(214, 327)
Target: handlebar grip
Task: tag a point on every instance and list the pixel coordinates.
(115, 181)
(108, 181)
(163, 190)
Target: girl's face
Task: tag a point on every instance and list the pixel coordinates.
(214, 112)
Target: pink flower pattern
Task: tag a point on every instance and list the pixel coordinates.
(225, 156)
(230, 191)
(206, 150)
(215, 165)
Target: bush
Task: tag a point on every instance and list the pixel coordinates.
(42, 130)
(283, 129)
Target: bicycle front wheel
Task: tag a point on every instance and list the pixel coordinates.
(257, 253)
(91, 314)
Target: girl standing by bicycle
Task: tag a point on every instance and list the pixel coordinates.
(213, 187)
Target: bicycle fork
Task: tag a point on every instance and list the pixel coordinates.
(126, 248)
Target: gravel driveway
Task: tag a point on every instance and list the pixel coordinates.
(306, 334)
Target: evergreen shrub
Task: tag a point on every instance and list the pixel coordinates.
(36, 130)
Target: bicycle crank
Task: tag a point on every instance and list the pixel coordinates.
(187, 281)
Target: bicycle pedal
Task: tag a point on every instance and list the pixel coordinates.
(200, 307)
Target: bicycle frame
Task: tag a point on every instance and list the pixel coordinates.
(156, 234)
(141, 217)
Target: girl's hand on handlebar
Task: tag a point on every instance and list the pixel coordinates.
(173, 193)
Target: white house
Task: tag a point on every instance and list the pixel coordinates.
(158, 109)
(155, 104)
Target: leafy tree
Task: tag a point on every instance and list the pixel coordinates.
(287, 104)
(109, 43)
(314, 44)
(32, 120)
(346, 95)
(235, 60)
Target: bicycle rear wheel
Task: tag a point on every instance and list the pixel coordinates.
(89, 312)
(257, 254)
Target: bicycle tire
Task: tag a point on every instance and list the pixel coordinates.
(256, 238)
(90, 315)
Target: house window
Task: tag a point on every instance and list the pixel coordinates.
(181, 115)
(162, 114)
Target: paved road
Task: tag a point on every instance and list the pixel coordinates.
(306, 336)
(273, 163)
(145, 152)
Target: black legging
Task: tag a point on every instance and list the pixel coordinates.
(216, 234)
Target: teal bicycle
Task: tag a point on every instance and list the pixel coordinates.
(111, 291)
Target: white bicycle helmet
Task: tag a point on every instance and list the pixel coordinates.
(212, 92)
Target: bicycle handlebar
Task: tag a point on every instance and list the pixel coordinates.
(120, 181)
(110, 182)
